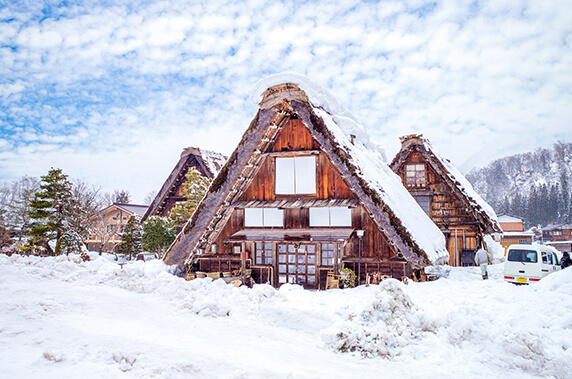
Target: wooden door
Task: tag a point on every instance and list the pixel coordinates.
(297, 264)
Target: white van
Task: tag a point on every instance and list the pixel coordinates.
(530, 263)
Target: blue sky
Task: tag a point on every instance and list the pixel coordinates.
(112, 91)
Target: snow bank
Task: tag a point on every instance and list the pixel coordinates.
(62, 317)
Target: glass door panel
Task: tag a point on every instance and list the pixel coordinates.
(297, 264)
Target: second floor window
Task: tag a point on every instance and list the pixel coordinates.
(415, 174)
(263, 217)
(296, 175)
(330, 216)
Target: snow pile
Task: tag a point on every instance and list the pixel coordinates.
(382, 327)
(365, 155)
(494, 248)
(62, 317)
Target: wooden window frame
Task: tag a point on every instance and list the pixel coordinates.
(417, 179)
(295, 177)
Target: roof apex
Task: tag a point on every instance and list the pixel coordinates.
(412, 139)
(286, 91)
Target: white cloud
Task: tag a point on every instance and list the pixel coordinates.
(117, 84)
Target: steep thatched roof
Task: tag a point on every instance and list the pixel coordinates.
(208, 163)
(460, 186)
(407, 228)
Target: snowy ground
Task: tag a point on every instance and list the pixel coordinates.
(60, 317)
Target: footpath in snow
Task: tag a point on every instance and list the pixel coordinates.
(61, 317)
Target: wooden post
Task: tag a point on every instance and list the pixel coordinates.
(243, 262)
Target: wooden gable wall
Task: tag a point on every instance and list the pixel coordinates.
(295, 137)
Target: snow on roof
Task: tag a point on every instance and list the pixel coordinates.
(134, 208)
(527, 233)
(507, 218)
(465, 186)
(320, 98)
(365, 155)
(473, 200)
(213, 160)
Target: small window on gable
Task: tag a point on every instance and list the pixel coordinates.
(331, 216)
(263, 217)
(425, 203)
(296, 175)
(415, 174)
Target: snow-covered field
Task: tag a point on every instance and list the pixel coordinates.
(63, 318)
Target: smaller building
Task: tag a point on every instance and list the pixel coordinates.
(106, 226)
(557, 232)
(447, 198)
(513, 231)
(510, 223)
(208, 163)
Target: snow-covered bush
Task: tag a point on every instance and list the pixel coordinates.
(383, 327)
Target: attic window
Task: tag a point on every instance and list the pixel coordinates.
(296, 175)
(415, 174)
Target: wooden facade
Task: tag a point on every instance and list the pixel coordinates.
(437, 191)
(297, 252)
(254, 218)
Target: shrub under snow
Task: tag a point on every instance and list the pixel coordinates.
(385, 325)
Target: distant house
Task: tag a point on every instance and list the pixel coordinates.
(208, 163)
(557, 232)
(107, 225)
(302, 196)
(446, 196)
(513, 231)
(510, 223)
(558, 236)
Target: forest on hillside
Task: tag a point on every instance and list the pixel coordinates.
(535, 186)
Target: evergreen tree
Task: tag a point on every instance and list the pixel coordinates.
(131, 239)
(194, 189)
(158, 234)
(564, 200)
(553, 211)
(543, 205)
(532, 207)
(517, 206)
(50, 209)
(70, 242)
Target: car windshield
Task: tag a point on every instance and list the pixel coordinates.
(527, 256)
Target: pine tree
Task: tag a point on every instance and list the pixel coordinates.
(194, 189)
(50, 209)
(131, 239)
(158, 234)
(532, 207)
(70, 242)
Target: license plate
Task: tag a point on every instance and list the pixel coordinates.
(521, 280)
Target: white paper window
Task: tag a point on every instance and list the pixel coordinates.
(273, 217)
(340, 216)
(415, 174)
(261, 217)
(296, 175)
(331, 216)
(253, 217)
